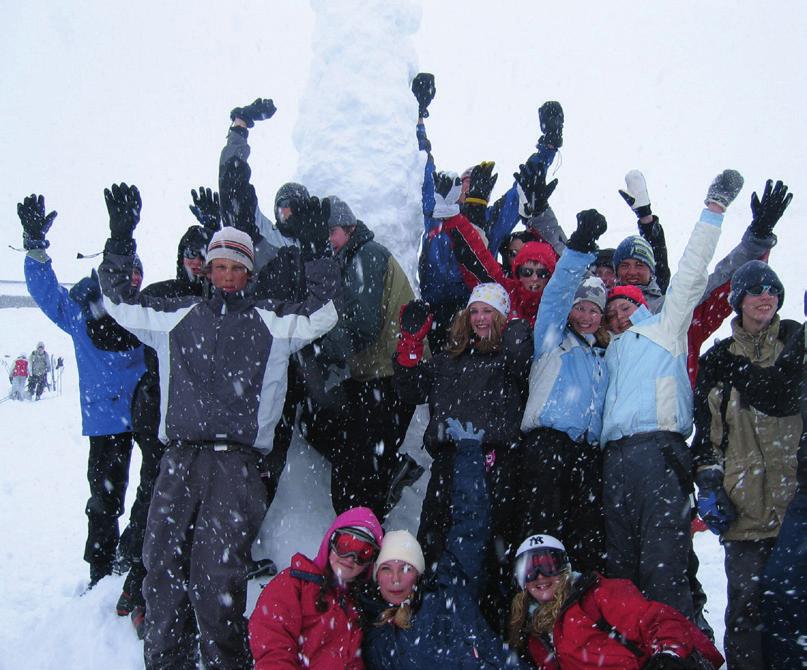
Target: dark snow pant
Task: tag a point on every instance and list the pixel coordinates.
(745, 561)
(435, 522)
(207, 507)
(361, 440)
(131, 539)
(36, 385)
(648, 515)
(108, 476)
(784, 592)
(561, 495)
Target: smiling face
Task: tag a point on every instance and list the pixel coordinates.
(758, 311)
(345, 568)
(543, 589)
(618, 313)
(632, 271)
(585, 317)
(396, 581)
(481, 317)
(538, 276)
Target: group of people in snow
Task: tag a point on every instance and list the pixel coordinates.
(29, 375)
(562, 380)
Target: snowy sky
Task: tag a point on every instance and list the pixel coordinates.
(96, 92)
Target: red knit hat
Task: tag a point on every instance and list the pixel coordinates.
(628, 292)
(540, 252)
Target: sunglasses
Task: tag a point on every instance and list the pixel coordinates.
(759, 289)
(529, 272)
(546, 562)
(348, 545)
(190, 254)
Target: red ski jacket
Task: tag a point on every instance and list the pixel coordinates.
(20, 368)
(287, 631)
(601, 612)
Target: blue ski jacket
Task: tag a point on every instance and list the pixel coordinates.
(106, 379)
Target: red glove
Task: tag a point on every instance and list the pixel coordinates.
(416, 321)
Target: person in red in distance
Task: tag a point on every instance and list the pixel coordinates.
(562, 619)
(306, 617)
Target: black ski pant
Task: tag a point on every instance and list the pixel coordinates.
(745, 563)
(131, 540)
(648, 515)
(561, 495)
(36, 385)
(501, 465)
(361, 440)
(207, 508)
(108, 476)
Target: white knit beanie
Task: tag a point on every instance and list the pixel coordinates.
(491, 294)
(400, 545)
(234, 245)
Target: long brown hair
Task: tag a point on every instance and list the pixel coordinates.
(460, 334)
(398, 615)
(521, 627)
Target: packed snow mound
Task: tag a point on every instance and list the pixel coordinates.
(355, 131)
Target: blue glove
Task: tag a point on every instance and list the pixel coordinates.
(459, 434)
(714, 505)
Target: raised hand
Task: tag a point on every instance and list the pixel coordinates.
(424, 89)
(458, 433)
(481, 183)
(550, 115)
(590, 226)
(724, 188)
(416, 322)
(35, 223)
(533, 191)
(635, 194)
(206, 208)
(123, 204)
(260, 110)
(768, 210)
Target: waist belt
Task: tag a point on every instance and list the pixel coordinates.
(215, 445)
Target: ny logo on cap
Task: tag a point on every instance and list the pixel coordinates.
(536, 540)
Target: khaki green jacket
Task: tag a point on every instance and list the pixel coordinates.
(760, 459)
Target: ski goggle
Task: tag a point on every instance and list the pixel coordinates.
(529, 272)
(545, 562)
(190, 253)
(759, 289)
(348, 545)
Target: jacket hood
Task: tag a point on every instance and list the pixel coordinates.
(361, 235)
(358, 516)
(196, 238)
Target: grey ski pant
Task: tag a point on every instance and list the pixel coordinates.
(206, 510)
(648, 515)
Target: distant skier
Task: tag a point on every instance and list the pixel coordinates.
(18, 378)
(39, 361)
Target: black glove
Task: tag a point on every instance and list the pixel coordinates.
(590, 225)
(206, 208)
(261, 109)
(424, 89)
(550, 114)
(35, 223)
(482, 182)
(534, 192)
(414, 316)
(664, 661)
(309, 219)
(769, 209)
(123, 204)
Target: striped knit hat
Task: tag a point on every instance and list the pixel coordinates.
(233, 245)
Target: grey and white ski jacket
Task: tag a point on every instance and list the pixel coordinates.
(223, 359)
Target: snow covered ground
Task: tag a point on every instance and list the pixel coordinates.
(45, 622)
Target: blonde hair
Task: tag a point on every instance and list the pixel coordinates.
(460, 334)
(400, 616)
(521, 627)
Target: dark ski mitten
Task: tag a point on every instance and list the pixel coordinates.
(424, 89)
(482, 182)
(769, 209)
(206, 208)
(123, 204)
(590, 226)
(550, 114)
(260, 110)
